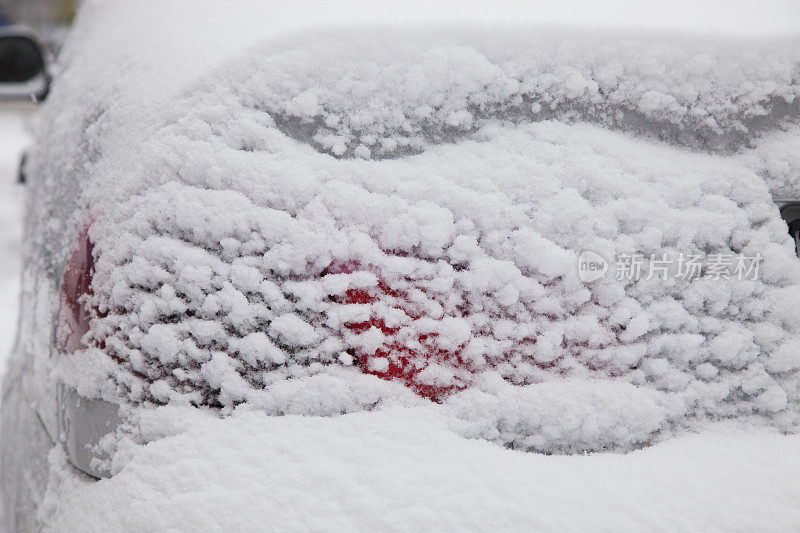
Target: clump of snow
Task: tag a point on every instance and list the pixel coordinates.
(776, 156)
(565, 416)
(329, 223)
(227, 295)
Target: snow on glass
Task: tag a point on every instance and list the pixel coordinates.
(351, 223)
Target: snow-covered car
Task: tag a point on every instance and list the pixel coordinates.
(337, 268)
(24, 65)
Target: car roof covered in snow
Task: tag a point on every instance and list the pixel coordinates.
(172, 42)
(698, 73)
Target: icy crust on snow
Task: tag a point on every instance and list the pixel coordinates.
(397, 99)
(236, 265)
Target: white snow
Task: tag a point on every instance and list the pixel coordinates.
(403, 470)
(286, 214)
(446, 262)
(777, 157)
(400, 97)
(505, 318)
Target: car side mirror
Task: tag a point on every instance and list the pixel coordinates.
(23, 68)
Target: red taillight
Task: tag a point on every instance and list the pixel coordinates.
(73, 312)
(398, 361)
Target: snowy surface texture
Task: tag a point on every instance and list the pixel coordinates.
(401, 470)
(328, 223)
(397, 99)
(477, 255)
(296, 218)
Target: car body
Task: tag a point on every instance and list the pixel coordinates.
(306, 219)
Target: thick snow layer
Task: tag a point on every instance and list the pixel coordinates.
(401, 470)
(328, 210)
(397, 99)
(164, 44)
(265, 308)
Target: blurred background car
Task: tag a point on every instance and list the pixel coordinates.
(49, 18)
